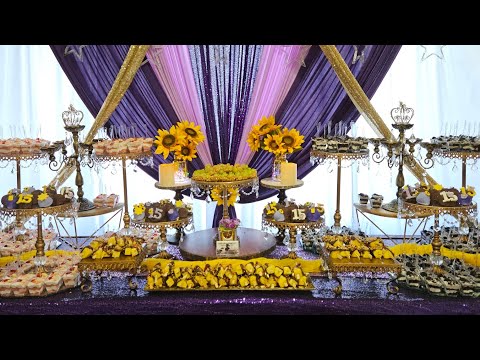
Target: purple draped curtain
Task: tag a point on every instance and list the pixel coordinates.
(144, 104)
(224, 76)
(319, 97)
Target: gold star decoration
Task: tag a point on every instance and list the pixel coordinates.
(433, 50)
(301, 57)
(77, 50)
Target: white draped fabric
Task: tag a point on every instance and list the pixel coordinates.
(443, 92)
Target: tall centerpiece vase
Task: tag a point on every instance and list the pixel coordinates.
(277, 162)
(180, 170)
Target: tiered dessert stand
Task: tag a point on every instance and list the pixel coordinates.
(201, 244)
(269, 183)
(320, 157)
(178, 188)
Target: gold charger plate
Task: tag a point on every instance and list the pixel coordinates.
(308, 287)
(122, 263)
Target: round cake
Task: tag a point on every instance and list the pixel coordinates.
(224, 172)
(161, 211)
(437, 195)
(291, 212)
(31, 198)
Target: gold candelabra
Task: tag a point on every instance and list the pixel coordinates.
(72, 119)
(400, 151)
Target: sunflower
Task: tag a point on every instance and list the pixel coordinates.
(217, 195)
(167, 141)
(267, 125)
(274, 144)
(192, 132)
(187, 152)
(253, 140)
(291, 139)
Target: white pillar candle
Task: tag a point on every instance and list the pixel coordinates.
(288, 173)
(166, 174)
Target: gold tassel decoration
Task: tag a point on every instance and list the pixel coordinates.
(129, 68)
(362, 103)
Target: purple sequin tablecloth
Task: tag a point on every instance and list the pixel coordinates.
(361, 296)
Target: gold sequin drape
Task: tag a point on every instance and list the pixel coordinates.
(125, 76)
(362, 103)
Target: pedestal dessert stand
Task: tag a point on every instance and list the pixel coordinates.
(178, 188)
(320, 157)
(144, 158)
(162, 227)
(292, 229)
(65, 210)
(436, 211)
(336, 266)
(269, 183)
(18, 158)
(200, 188)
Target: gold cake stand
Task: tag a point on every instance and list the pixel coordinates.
(320, 157)
(276, 185)
(117, 209)
(292, 229)
(123, 158)
(462, 155)
(18, 158)
(162, 227)
(40, 258)
(436, 211)
(337, 266)
(123, 263)
(365, 209)
(282, 196)
(178, 188)
(197, 187)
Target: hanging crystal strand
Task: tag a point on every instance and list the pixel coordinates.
(50, 224)
(455, 167)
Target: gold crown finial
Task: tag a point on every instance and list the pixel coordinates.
(402, 114)
(72, 117)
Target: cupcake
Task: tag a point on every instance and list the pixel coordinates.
(313, 214)
(279, 215)
(44, 200)
(10, 200)
(363, 198)
(139, 212)
(466, 195)
(172, 214)
(423, 198)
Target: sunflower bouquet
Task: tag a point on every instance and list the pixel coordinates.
(273, 138)
(182, 139)
(217, 195)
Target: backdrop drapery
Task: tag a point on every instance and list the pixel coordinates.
(316, 96)
(224, 76)
(320, 98)
(144, 103)
(278, 69)
(173, 68)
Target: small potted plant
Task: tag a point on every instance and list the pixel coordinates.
(227, 229)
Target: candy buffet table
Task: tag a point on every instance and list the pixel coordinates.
(359, 296)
